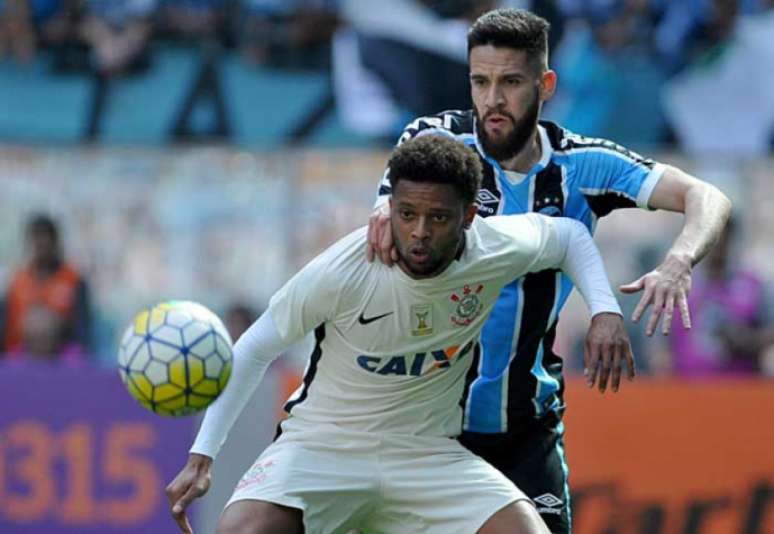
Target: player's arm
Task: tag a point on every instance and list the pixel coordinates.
(305, 301)
(253, 353)
(706, 212)
(607, 349)
(561, 243)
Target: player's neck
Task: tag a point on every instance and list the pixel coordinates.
(527, 157)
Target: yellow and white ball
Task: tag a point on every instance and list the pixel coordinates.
(175, 358)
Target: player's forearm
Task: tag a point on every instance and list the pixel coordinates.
(253, 353)
(583, 264)
(706, 213)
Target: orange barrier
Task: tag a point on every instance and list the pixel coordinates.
(666, 456)
(672, 456)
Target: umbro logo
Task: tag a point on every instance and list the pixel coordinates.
(548, 504)
(365, 320)
(485, 196)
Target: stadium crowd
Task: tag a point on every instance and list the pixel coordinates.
(662, 65)
(644, 72)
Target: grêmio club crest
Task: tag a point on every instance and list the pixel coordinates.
(468, 305)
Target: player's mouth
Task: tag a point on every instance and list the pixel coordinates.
(496, 120)
(419, 255)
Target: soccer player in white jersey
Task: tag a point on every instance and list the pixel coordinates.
(368, 441)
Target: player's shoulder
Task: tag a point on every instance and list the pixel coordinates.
(504, 232)
(509, 224)
(346, 254)
(565, 142)
(453, 123)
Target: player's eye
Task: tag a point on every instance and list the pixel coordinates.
(406, 214)
(478, 82)
(440, 218)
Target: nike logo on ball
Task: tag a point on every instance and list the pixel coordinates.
(363, 320)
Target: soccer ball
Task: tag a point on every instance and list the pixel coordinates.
(175, 358)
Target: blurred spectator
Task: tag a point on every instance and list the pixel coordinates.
(118, 33)
(202, 24)
(710, 112)
(609, 80)
(47, 312)
(687, 29)
(238, 318)
(17, 33)
(406, 57)
(731, 328)
(190, 20)
(287, 33)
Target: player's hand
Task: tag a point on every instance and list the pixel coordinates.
(665, 287)
(191, 482)
(380, 241)
(607, 351)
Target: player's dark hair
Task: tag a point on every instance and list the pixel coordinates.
(513, 28)
(42, 223)
(437, 159)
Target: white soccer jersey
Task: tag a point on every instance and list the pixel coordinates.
(391, 352)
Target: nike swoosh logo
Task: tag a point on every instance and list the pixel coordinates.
(363, 320)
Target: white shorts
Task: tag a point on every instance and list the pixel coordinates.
(377, 483)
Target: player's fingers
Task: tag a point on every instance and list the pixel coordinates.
(174, 491)
(590, 367)
(685, 313)
(631, 370)
(669, 310)
(616, 364)
(647, 296)
(372, 241)
(182, 521)
(605, 365)
(196, 490)
(655, 313)
(386, 243)
(633, 287)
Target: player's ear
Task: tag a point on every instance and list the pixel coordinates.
(470, 214)
(547, 85)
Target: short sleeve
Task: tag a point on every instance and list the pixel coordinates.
(611, 176)
(305, 301)
(533, 242)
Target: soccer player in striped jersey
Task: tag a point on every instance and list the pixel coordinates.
(366, 444)
(514, 402)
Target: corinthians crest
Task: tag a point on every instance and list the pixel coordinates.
(468, 305)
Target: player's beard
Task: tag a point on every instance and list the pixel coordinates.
(514, 142)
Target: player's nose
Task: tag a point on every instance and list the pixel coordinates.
(421, 229)
(494, 97)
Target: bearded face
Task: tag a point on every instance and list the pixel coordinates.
(505, 142)
(506, 93)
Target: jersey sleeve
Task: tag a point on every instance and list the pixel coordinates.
(541, 243)
(306, 300)
(531, 242)
(611, 176)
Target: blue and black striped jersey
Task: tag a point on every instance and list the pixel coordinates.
(518, 377)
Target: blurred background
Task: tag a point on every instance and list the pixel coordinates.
(206, 149)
